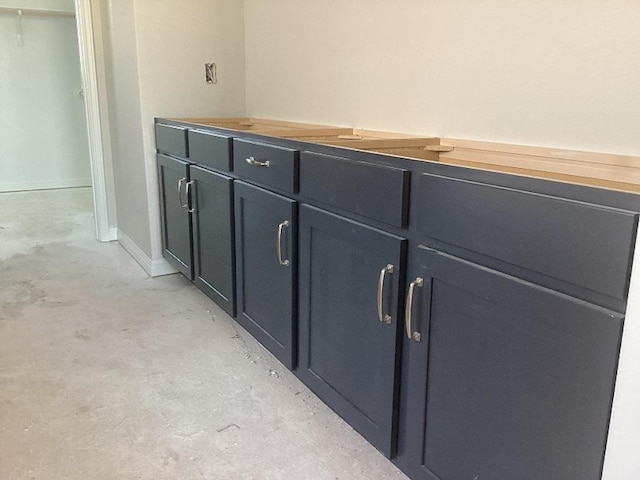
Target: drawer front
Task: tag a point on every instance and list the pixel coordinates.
(374, 191)
(269, 165)
(210, 149)
(172, 140)
(579, 243)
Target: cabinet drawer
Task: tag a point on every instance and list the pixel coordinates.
(172, 140)
(210, 149)
(576, 242)
(266, 164)
(374, 191)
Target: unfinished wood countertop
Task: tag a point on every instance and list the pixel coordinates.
(604, 170)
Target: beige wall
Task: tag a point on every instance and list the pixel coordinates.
(544, 72)
(156, 52)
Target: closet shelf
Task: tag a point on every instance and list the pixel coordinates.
(35, 12)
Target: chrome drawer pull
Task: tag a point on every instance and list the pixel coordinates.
(257, 163)
(383, 317)
(284, 263)
(418, 282)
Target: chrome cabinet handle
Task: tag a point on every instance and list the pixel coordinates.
(189, 199)
(418, 282)
(180, 182)
(257, 163)
(281, 227)
(383, 317)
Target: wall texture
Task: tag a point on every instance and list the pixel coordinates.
(543, 72)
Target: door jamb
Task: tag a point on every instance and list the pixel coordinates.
(84, 24)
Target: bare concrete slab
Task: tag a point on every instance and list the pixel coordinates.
(108, 374)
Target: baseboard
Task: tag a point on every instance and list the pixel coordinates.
(154, 268)
(45, 184)
(113, 234)
(162, 267)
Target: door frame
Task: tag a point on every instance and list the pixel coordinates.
(102, 199)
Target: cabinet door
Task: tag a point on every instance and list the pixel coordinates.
(266, 266)
(348, 356)
(508, 380)
(173, 178)
(213, 238)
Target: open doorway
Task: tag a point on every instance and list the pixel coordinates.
(44, 134)
(53, 139)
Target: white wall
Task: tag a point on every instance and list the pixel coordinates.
(622, 461)
(157, 50)
(42, 126)
(542, 72)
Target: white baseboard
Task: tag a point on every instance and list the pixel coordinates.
(154, 268)
(162, 267)
(45, 184)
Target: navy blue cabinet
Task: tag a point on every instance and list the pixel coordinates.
(467, 325)
(266, 268)
(213, 236)
(173, 183)
(502, 379)
(350, 277)
(196, 206)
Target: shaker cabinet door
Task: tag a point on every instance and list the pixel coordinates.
(349, 282)
(266, 266)
(173, 179)
(502, 379)
(213, 237)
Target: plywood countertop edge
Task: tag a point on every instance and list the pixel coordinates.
(603, 170)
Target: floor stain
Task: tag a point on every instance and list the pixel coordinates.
(171, 455)
(22, 294)
(81, 335)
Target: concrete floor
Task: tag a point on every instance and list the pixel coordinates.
(108, 374)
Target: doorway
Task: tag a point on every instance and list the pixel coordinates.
(42, 125)
(83, 121)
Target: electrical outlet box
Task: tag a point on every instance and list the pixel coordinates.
(210, 73)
